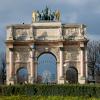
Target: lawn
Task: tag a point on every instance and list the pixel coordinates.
(45, 98)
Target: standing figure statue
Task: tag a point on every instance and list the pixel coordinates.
(52, 16)
(38, 16)
(57, 15)
(42, 15)
(49, 14)
(33, 16)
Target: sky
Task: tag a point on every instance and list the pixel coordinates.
(72, 11)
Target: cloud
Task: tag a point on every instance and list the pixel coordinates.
(77, 2)
(72, 11)
(72, 17)
(97, 10)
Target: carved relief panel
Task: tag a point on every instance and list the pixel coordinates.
(21, 34)
(55, 51)
(71, 33)
(71, 53)
(21, 54)
(48, 34)
(9, 33)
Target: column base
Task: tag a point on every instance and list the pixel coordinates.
(61, 80)
(10, 81)
(31, 80)
(82, 80)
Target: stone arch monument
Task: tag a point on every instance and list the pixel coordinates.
(25, 42)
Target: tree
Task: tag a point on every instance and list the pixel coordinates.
(93, 54)
(3, 68)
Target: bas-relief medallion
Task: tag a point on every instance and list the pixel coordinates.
(21, 65)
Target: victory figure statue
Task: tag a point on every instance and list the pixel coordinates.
(34, 16)
(57, 15)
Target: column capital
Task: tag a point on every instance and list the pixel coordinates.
(61, 48)
(82, 44)
(32, 47)
(11, 49)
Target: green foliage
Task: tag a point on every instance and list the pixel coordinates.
(22, 97)
(51, 90)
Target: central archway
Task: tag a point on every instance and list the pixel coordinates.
(47, 68)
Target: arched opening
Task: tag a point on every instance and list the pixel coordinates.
(46, 70)
(22, 75)
(72, 75)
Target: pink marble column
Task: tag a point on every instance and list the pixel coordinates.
(31, 67)
(81, 62)
(10, 73)
(61, 63)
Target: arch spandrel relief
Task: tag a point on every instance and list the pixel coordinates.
(54, 50)
(20, 65)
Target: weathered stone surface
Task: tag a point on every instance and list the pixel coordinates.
(66, 41)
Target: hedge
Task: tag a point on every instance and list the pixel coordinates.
(51, 90)
(22, 97)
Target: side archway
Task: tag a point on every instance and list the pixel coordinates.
(22, 75)
(72, 75)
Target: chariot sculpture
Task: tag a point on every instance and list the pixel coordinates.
(45, 15)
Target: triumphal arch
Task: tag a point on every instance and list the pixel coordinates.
(46, 35)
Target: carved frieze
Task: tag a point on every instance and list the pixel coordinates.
(22, 34)
(71, 33)
(48, 34)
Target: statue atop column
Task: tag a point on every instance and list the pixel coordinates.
(45, 15)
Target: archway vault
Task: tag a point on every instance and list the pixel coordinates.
(72, 75)
(47, 68)
(22, 75)
(47, 52)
